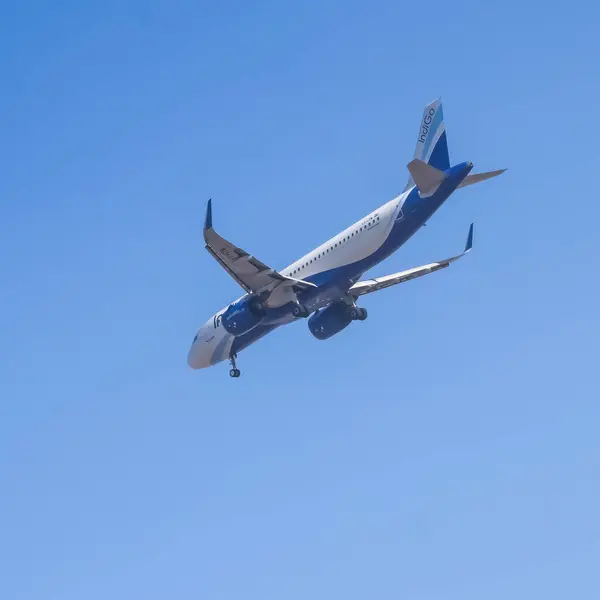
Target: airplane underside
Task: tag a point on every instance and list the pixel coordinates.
(324, 286)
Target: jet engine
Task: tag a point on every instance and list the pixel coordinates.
(243, 315)
(327, 322)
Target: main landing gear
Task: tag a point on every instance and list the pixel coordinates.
(357, 314)
(299, 311)
(234, 372)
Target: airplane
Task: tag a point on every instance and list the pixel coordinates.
(324, 285)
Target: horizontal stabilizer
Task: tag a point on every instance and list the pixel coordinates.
(380, 283)
(471, 179)
(426, 177)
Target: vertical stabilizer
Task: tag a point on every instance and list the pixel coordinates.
(432, 145)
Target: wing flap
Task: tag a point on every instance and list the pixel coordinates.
(248, 271)
(373, 285)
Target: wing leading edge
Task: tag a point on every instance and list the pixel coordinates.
(249, 272)
(373, 285)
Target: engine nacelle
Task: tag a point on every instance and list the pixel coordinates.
(243, 315)
(331, 320)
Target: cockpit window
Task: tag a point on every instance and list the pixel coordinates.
(195, 339)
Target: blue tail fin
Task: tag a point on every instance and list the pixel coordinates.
(432, 144)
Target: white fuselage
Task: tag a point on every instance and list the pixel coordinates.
(213, 344)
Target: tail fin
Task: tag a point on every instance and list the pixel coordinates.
(432, 145)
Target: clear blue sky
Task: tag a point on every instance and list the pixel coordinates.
(446, 448)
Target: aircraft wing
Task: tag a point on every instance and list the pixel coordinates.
(373, 285)
(252, 274)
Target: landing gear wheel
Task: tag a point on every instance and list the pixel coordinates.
(357, 314)
(298, 311)
(234, 372)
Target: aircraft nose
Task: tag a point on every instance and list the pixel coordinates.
(198, 357)
(191, 357)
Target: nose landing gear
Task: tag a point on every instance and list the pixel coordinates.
(234, 372)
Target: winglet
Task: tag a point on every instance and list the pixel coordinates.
(208, 218)
(469, 243)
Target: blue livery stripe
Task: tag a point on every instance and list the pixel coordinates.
(440, 158)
